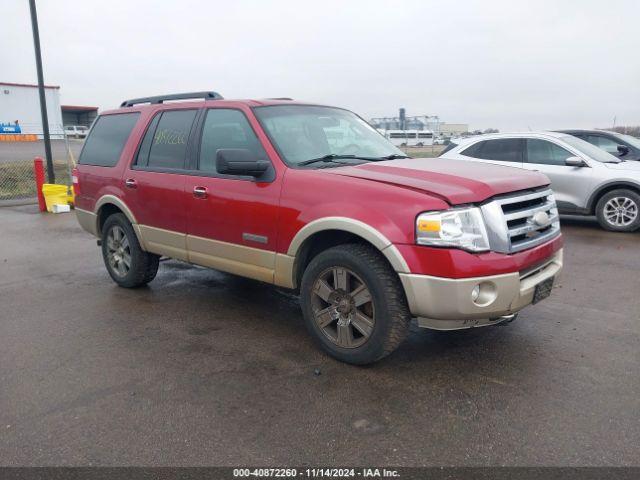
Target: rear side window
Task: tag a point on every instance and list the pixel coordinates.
(226, 128)
(473, 150)
(546, 153)
(451, 146)
(106, 141)
(165, 143)
(503, 150)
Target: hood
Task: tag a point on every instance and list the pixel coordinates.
(632, 166)
(456, 181)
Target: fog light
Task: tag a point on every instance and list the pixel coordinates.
(484, 294)
(475, 293)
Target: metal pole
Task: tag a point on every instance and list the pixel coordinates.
(43, 102)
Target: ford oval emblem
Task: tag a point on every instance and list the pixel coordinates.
(541, 219)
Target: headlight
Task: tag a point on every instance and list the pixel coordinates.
(460, 228)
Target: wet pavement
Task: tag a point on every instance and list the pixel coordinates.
(204, 368)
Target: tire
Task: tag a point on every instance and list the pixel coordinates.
(119, 245)
(353, 304)
(619, 211)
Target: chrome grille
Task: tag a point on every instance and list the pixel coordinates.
(519, 222)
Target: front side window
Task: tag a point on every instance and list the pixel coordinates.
(304, 132)
(165, 143)
(226, 128)
(606, 144)
(502, 150)
(110, 133)
(546, 153)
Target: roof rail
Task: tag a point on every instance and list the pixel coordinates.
(280, 98)
(175, 96)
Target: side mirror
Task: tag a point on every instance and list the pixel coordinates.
(240, 161)
(623, 150)
(575, 162)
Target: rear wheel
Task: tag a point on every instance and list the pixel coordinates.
(354, 304)
(128, 265)
(619, 211)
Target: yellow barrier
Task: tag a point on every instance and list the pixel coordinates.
(57, 194)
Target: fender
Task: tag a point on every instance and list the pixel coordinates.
(286, 264)
(610, 185)
(111, 199)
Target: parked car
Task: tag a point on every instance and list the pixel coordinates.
(76, 131)
(585, 179)
(622, 146)
(313, 199)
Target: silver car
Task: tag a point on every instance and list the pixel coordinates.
(585, 179)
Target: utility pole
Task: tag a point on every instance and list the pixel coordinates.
(43, 101)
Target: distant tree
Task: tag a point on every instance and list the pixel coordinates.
(633, 131)
(492, 130)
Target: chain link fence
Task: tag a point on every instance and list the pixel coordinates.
(17, 181)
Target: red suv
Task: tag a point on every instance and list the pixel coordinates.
(312, 198)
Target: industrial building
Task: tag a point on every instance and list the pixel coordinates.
(20, 111)
(431, 123)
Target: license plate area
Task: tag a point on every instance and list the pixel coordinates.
(543, 290)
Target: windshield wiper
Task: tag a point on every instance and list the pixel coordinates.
(327, 158)
(334, 156)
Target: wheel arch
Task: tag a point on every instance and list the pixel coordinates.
(604, 189)
(108, 205)
(321, 234)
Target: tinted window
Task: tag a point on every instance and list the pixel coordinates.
(226, 128)
(104, 145)
(143, 154)
(473, 150)
(169, 144)
(505, 150)
(606, 144)
(544, 152)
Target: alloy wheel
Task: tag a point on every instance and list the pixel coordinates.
(620, 211)
(343, 307)
(118, 251)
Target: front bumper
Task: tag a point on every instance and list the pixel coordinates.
(446, 303)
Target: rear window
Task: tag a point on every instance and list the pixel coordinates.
(108, 136)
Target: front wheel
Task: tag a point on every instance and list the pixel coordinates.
(353, 304)
(619, 211)
(128, 265)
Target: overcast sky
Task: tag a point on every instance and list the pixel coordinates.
(506, 64)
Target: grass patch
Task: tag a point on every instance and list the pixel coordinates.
(17, 179)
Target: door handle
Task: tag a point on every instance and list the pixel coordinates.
(200, 192)
(130, 183)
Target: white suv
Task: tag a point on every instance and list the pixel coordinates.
(585, 179)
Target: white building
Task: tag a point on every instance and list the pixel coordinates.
(21, 103)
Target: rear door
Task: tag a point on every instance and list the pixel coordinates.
(570, 184)
(154, 184)
(232, 220)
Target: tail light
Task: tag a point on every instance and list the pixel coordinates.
(75, 180)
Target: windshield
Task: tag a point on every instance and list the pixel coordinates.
(590, 150)
(629, 139)
(303, 132)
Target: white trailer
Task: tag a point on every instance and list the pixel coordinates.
(409, 138)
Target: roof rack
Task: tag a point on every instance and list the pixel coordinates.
(280, 98)
(175, 96)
